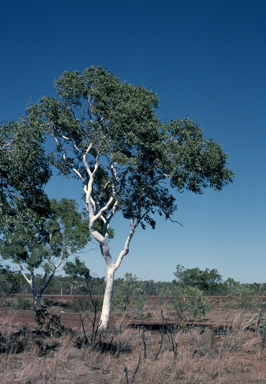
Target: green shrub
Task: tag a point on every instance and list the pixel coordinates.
(240, 294)
(51, 325)
(189, 301)
(8, 282)
(73, 305)
(22, 302)
(129, 291)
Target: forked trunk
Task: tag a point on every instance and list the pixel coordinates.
(111, 266)
(107, 299)
(37, 296)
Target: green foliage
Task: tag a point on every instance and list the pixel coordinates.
(113, 124)
(125, 290)
(76, 269)
(65, 232)
(261, 321)
(128, 291)
(240, 294)
(76, 305)
(22, 302)
(80, 275)
(22, 283)
(8, 282)
(89, 290)
(24, 170)
(52, 325)
(83, 302)
(208, 280)
(189, 301)
(258, 321)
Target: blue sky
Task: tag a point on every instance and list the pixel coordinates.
(204, 59)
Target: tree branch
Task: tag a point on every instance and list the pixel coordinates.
(125, 251)
(24, 275)
(78, 174)
(85, 160)
(175, 221)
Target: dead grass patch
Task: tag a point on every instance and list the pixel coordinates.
(236, 356)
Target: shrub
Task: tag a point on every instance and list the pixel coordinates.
(240, 294)
(51, 325)
(189, 301)
(128, 290)
(22, 302)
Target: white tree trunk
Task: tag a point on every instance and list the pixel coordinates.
(94, 215)
(111, 268)
(107, 300)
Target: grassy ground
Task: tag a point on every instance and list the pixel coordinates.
(125, 355)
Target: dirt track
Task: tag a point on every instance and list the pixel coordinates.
(216, 319)
(213, 321)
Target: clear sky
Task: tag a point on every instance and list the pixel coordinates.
(204, 59)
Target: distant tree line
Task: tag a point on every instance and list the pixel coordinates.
(77, 274)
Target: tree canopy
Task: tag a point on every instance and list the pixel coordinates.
(63, 234)
(77, 269)
(24, 170)
(207, 280)
(8, 282)
(108, 135)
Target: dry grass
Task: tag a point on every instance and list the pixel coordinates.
(235, 357)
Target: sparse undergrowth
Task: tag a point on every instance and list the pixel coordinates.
(30, 356)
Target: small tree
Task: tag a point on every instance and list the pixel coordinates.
(108, 136)
(24, 170)
(127, 290)
(190, 302)
(240, 294)
(80, 274)
(208, 280)
(64, 233)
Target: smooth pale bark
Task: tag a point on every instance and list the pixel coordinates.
(96, 213)
(31, 282)
(107, 299)
(111, 268)
(37, 296)
(44, 284)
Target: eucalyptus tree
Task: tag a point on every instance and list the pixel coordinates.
(64, 233)
(108, 136)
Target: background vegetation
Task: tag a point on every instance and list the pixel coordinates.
(209, 282)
